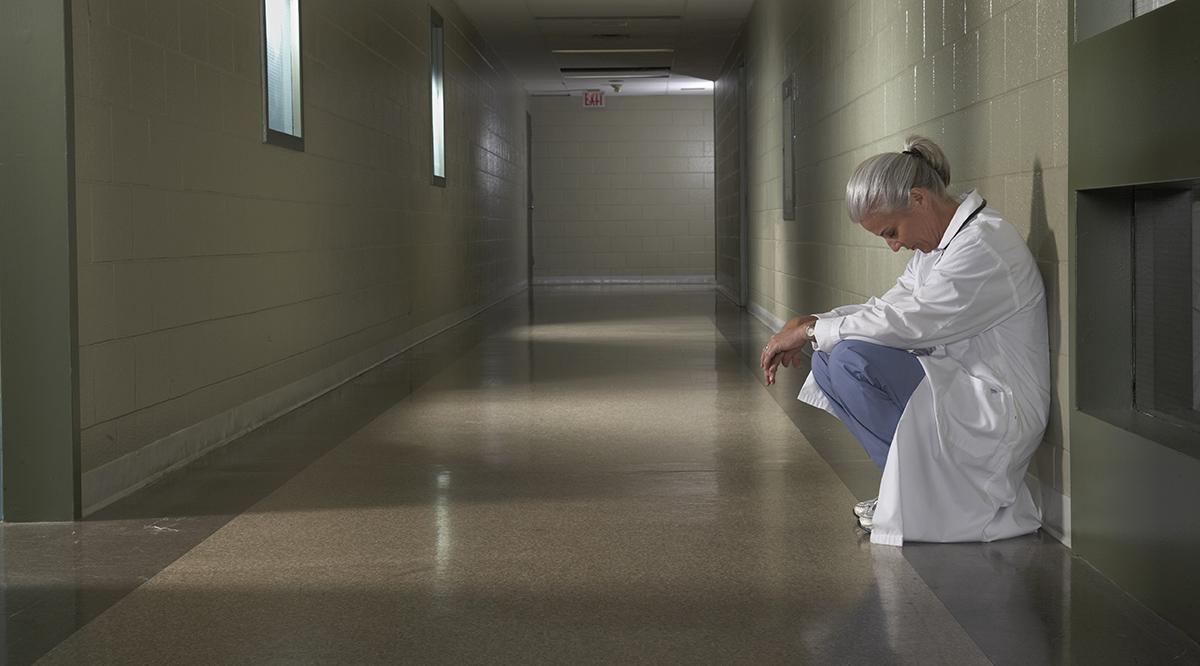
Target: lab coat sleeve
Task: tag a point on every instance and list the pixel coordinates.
(899, 292)
(967, 292)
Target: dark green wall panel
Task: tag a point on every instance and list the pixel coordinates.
(1135, 100)
(1134, 105)
(39, 390)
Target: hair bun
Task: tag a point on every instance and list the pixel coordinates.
(931, 153)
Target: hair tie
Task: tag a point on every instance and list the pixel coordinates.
(918, 156)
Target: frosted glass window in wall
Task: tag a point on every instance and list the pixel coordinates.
(1093, 17)
(1144, 6)
(437, 96)
(281, 26)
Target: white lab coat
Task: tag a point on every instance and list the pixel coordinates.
(975, 311)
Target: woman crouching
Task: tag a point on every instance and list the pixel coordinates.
(944, 379)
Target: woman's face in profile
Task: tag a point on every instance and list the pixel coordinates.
(912, 229)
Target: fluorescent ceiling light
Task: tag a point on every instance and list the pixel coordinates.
(615, 72)
(574, 51)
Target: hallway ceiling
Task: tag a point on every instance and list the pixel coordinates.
(652, 47)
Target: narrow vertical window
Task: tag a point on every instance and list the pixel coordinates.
(437, 97)
(281, 44)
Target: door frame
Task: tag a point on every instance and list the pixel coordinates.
(529, 196)
(743, 196)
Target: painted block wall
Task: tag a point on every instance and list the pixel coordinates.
(623, 191)
(215, 269)
(986, 79)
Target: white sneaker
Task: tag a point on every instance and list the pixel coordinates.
(867, 522)
(865, 508)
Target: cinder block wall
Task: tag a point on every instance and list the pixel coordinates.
(222, 280)
(623, 191)
(987, 79)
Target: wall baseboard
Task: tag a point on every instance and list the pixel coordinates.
(1056, 510)
(772, 322)
(727, 293)
(624, 279)
(128, 474)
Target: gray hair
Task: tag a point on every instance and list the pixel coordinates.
(883, 183)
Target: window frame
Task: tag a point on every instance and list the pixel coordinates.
(272, 136)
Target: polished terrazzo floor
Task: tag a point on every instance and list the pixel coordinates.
(584, 476)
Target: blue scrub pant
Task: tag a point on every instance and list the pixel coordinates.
(869, 385)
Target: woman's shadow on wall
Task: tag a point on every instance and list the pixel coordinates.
(1044, 246)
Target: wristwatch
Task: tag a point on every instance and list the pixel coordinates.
(811, 332)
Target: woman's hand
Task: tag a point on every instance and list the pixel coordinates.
(784, 347)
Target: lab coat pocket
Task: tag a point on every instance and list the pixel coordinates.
(974, 418)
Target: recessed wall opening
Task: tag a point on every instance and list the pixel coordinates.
(1139, 309)
(1166, 301)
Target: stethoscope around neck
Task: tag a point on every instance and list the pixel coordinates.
(975, 213)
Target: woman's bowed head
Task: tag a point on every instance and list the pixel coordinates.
(880, 198)
(900, 197)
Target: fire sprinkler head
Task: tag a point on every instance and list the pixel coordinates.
(616, 87)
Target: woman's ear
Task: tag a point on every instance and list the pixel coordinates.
(916, 197)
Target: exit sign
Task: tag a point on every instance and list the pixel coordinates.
(593, 99)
